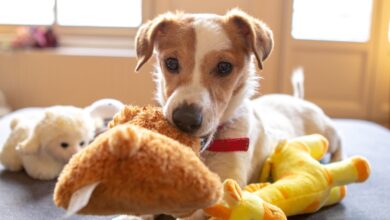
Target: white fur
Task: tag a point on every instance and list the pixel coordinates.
(191, 94)
(35, 143)
(209, 37)
(297, 80)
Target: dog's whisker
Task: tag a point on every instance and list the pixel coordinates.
(206, 142)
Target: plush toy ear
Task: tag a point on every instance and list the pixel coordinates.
(30, 145)
(147, 35)
(266, 171)
(232, 192)
(256, 34)
(218, 211)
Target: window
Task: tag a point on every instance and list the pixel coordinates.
(96, 13)
(106, 13)
(37, 12)
(388, 33)
(332, 20)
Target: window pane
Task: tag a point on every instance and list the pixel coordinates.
(35, 12)
(333, 20)
(388, 33)
(103, 13)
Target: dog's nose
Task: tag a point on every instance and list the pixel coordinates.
(187, 118)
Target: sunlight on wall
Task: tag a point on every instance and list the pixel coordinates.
(332, 20)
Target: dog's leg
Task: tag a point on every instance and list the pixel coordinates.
(335, 146)
(338, 152)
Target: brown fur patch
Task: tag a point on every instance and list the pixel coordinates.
(177, 41)
(222, 88)
(255, 34)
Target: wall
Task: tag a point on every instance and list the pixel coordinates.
(56, 77)
(79, 77)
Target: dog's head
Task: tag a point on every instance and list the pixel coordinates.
(203, 69)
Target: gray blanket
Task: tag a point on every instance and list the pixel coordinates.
(24, 198)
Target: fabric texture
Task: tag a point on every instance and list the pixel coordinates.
(24, 198)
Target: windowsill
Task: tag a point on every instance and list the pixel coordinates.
(78, 51)
(76, 45)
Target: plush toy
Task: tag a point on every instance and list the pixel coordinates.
(142, 165)
(42, 145)
(103, 111)
(301, 184)
(243, 205)
(34, 37)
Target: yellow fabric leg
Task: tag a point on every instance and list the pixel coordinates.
(336, 195)
(354, 169)
(315, 144)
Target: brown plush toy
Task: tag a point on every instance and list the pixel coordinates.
(142, 165)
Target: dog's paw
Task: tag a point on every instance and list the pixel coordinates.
(124, 141)
(197, 215)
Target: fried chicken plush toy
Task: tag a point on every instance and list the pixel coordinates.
(141, 165)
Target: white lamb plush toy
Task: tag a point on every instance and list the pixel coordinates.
(103, 111)
(44, 144)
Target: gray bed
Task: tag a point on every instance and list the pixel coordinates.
(24, 198)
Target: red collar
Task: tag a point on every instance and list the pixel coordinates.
(229, 145)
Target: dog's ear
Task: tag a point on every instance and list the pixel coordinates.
(256, 34)
(147, 35)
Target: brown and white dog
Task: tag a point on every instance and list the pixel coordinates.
(205, 76)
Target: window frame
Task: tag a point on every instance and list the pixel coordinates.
(88, 36)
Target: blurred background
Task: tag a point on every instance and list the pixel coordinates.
(74, 52)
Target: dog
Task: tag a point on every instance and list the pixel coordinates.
(205, 76)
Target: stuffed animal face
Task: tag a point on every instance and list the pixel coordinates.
(63, 146)
(65, 131)
(62, 132)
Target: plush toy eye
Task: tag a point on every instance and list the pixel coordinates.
(82, 143)
(64, 145)
(172, 65)
(224, 68)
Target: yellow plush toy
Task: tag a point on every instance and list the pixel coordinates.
(243, 205)
(301, 184)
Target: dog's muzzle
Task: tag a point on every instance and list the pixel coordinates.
(187, 118)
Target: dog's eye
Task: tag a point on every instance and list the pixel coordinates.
(82, 143)
(64, 145)
(172, 65)
(224, 68)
